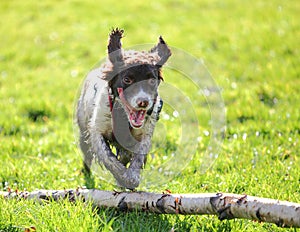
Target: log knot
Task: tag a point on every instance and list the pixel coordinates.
(160, 203)
(122, 205)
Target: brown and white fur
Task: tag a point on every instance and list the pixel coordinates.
(119, 106)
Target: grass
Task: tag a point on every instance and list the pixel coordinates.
(252, 51)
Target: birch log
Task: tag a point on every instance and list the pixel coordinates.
(225, 205)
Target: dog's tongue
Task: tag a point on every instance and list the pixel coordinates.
(137, 118)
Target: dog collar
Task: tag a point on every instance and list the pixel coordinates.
(111, 97)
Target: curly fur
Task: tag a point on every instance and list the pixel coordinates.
(102, 114)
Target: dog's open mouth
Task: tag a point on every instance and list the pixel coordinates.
(136, 116)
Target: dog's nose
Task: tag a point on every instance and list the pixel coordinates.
(142, 102)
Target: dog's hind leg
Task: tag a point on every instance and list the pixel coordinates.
(87, 161)
(87, 154)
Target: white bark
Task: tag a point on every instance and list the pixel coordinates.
(225, 205)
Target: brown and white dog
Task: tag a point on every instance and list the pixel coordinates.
(119, 106)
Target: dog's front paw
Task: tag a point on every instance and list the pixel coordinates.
(130, 179)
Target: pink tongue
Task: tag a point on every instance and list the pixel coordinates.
(137, 117)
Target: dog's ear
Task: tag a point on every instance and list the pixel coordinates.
(115, 53)
(163, 52)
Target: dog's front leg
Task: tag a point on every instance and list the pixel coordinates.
(139, 158)
(125, 177)
(136, 165)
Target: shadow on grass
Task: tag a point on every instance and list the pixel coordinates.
(132, 221)
(9, 228)
(88, 177)
(114, 220)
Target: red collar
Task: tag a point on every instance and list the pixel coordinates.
(110, 97)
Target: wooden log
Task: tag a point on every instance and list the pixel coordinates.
(224, 205)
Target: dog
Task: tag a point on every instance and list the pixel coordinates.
(118, 108)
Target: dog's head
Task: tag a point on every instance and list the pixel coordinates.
(135, 76)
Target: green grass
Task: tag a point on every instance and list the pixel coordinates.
(251, 49)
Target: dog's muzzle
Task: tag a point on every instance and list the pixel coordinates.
(136, 116)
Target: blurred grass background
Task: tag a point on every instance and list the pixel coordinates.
(251, 49)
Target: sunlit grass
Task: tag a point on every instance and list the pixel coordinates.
(251, 50)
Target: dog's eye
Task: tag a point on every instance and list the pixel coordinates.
(127, 80)
(152, 81)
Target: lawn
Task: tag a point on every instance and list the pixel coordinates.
(251, 49)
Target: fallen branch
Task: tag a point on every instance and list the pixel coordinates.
(226, 206)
